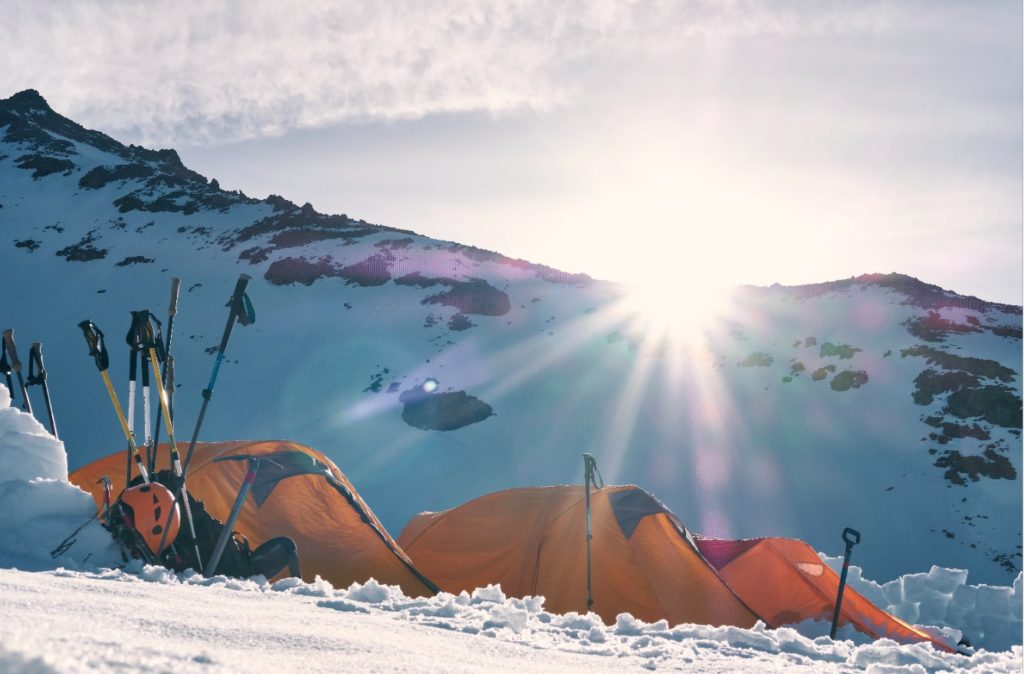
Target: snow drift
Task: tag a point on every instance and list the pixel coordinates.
(41, 508)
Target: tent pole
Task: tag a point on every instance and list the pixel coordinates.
(589, 468)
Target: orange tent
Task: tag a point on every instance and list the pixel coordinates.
(533, 542)
(338, 536)
(786, 582)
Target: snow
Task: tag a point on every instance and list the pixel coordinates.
(145, 619)
(148, 619)
(987, 616)
(41, 507)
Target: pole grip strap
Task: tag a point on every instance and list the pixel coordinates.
(97, 348)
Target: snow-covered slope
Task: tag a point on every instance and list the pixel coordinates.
(112, 621)
(432, 373)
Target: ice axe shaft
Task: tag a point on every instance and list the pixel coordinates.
(851, 537)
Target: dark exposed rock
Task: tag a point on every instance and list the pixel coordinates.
(373, 271)
(848, 379)
(418, 280)
(828, 350)
(991, 465)
(448, 411)
(473, 296)
(255, 255)
(135, 259)
(459, 322)
(998, 405)
(756, 359)
(914, 291)
(934, 328)
(28, 244)
(822, 372)
(83, 251)
(395, 244)
(299, 270)
(299, 226)
(977, 366)
(101, 175)
(42, 166)
(930, 383)
(952, 430)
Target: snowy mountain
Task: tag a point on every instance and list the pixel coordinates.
(433, 373)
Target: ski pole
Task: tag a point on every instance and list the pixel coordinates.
(37, 377)
(589, 468)
(168, 369)
(98, 350)
(240, 309)
(225, 534)
(851, 537)
(16, 366)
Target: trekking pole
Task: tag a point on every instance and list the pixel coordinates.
(589, 469)
(168, 370)
(147, 339)
(16, 366)
(5, 368)
(225, 534)
(98, 350)
(851, 537)
(133, 375)
(37, 377)
(240, 309)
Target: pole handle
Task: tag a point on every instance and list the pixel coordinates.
(97, 349)
(36, 370)
(11, 351)
(849, 534)
(172, 308)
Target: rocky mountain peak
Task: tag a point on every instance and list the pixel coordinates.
(26, 101)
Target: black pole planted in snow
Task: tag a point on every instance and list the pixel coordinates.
(37, 377)
(847, 532)
(16, 366)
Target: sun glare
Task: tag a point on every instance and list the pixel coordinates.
(677, 314)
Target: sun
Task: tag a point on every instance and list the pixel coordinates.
(675, 312)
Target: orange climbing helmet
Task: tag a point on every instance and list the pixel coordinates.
(147, 506)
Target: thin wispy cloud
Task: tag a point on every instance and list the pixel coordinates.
(213, 72)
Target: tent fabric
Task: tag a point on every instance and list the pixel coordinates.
(785, 582)
(533, 542)
(337, 535)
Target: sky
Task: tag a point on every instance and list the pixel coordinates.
(707, 143)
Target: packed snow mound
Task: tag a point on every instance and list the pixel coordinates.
(987, 616)
(27, 450)
(42, 508)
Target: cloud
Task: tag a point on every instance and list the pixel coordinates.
(211, 72)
